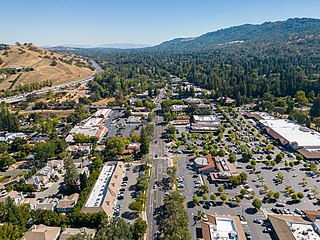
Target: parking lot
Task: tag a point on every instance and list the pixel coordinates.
(127, 193)
(242, 137)
(120, 127)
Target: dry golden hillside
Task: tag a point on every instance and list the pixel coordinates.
(56, 67)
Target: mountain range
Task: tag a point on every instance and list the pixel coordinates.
(107, 45)
(297, 31)
(268, 32)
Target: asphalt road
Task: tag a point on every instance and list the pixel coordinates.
(23, 97)
(156, 192)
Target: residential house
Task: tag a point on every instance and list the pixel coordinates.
(67, 203)
(42, 232)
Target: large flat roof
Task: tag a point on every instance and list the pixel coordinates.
(222, 227)
(206, 118)
(92, 122)
(225, 226)
(100, 188)
(294, 132)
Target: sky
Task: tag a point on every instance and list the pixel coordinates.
(96, 22)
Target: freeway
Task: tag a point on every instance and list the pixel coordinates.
(23, 97)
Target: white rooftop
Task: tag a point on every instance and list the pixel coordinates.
(100, 188)
(302, 231)
(92, 122)
(264, 115)
(224, 230)
(86, 130)
(105, 112)
(294, 132)
(201, 161)
(205, 118)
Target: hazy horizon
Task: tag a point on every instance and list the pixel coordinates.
(97, 22)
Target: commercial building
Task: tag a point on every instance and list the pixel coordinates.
(204, 123)
(92, 126)
(42, 232)
(293, 228)
(224, 170)
(291, 134)
(219, 169)
(181, 120)
(102, 113)
(205, 164)
(178, 108)
(222, 227)
(103, 196)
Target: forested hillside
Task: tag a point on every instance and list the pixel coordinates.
(276, 58)
(289, 31)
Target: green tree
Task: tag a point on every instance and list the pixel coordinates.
(204, 188)
(6, 161)
(8, 121)
(247, 156)
(83, 181)
(195, 199)
(257, 203)
(117, 228)
(316, 122)
(175, 212)
(301, 97)
(220, 189)
(144, 148)
(294, 196)
(280, 177)
(243, 191)
(232, 158)
(279, 157)
(276, 195)
(44, 150)
(9, 231)
(243, 176)
(71, 174)
(172, 171)
(115, 146)
(213, 197)
(300, 195)
(221, 153)
(223, 197)
(136, 206)
(205, 197)
(139, 228)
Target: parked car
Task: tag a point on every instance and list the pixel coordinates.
(279, 204)
(257, 221)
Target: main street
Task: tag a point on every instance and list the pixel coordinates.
(156, 192)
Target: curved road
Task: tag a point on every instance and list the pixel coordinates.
(23, 97)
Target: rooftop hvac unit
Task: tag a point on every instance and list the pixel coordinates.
(233, 234)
